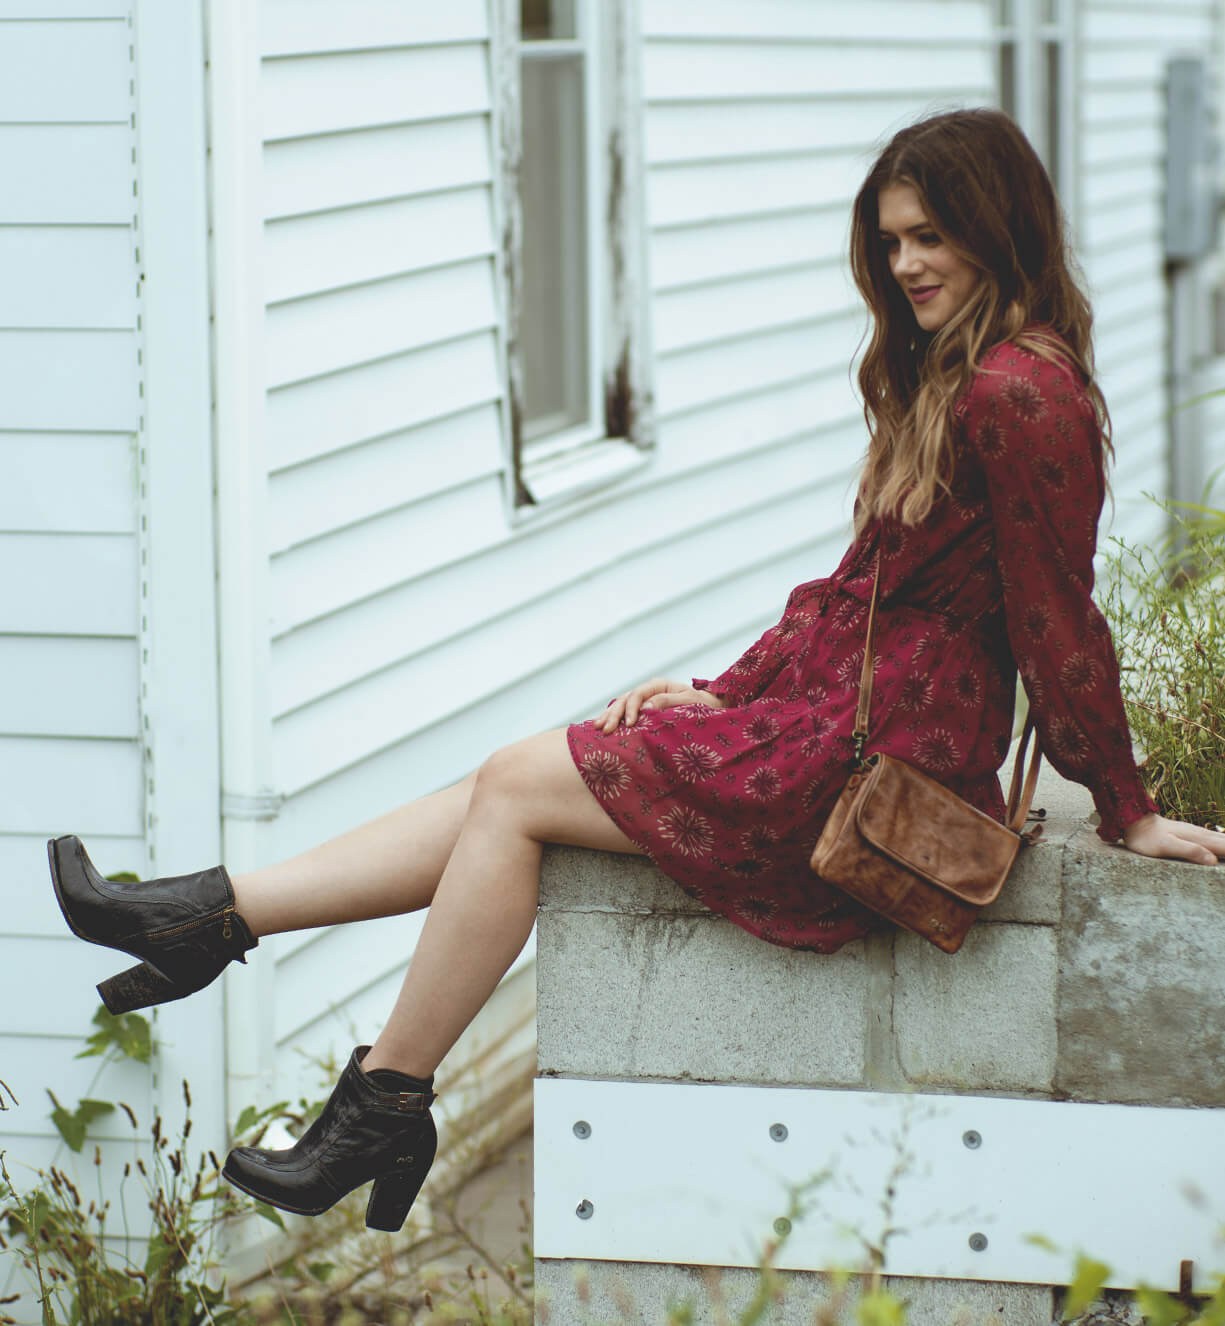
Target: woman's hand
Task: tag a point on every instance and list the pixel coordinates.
(658, 693)
(1153, 835)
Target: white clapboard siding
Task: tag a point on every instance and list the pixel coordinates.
(1125, 48)
(327, 94)
(327, 250)
(70, 747)
(301, 27)
(63, 71)
(373, 165)
(330, 332)
(35, 499)
(366, 401)
(78, 174)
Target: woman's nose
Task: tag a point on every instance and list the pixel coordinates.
(907, 261)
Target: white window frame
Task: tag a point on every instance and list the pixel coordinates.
(619, 436)
(1030, 32)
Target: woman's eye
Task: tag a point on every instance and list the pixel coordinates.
(930, 238)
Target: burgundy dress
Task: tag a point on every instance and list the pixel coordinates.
(730, 802)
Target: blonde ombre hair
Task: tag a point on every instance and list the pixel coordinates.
(988, 196)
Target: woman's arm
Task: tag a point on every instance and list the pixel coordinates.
(1035, 433)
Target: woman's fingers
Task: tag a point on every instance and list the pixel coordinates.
(626, 708)
(1174, 840)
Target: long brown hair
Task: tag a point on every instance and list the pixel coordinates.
(988, 196)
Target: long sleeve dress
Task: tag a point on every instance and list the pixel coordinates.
(730, 802)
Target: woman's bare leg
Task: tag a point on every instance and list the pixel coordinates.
(524, 796)
(388, 866)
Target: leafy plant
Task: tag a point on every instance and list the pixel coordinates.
(1166, 608)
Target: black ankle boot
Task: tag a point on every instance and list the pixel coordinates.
(375, 1125)
(184, 929)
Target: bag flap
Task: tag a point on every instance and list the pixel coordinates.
(923, 826)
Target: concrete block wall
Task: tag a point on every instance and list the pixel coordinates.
(1096, 977)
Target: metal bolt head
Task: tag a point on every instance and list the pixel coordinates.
(582, 1130)
(778, 1132)
(782, 1227)
(978, 1243)
(972, 1139)
(584, 1210)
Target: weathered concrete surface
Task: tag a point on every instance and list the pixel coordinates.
(982, 1019)
(694, 998)
(1141, 1009)
(640, 1294)
(1097, 976)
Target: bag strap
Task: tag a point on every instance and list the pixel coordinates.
(1020, 792)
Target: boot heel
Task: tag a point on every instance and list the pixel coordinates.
(138, 987)
(392, 1198)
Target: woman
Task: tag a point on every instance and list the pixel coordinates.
(979, 501)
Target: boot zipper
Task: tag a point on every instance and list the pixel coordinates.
(193, 925)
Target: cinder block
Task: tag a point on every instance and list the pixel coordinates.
(982, 1019)
(973, 1302)
(1033, 891)
(578, 1293)
(640, 1294)
(694, 998)
(575, 879)
(1141, 1007)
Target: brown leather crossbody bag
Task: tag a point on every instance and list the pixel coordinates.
(904, 845)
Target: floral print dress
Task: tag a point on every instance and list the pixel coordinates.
(730, 802)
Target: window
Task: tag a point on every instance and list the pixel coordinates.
(573, 239)
(1034, 75)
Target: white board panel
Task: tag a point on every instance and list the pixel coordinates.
(288, 27)
(363, 481)
(751, 304)
(83, 276)
(683, 69)
(64, 687)
(69, 584)
(33, 1065)
(304, 255)
(65, 72)
(1133, 223)
(101, 499)
(324, 415)
(323, 94)
(950, 21)
(45, 9)
(693, 1174)
(1168, 26)
(307, 986)
(31, 908)
(693, 378)
(621, 544)
(690, 255)
(1121, 183)
(435, 683)
(69, 1000)
(320, 334)
(710, 130)
(69, 174)
(1138, 143)
(1117, 65)
(371, 165)
(52, 786)
(321, 576)
(678, 195)
(81, 381)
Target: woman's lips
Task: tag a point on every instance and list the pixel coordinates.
(922, 293)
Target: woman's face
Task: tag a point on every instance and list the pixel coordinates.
(936, 280)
